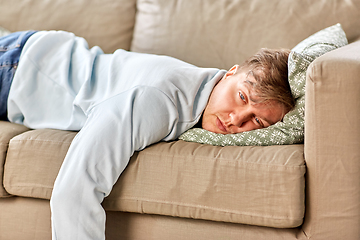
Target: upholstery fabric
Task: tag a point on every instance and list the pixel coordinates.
(107, 23)
(224, 33)
(253, 185)
(332, 143)
(8, 131)
(42, 153)
(24, 219)
(27, 218)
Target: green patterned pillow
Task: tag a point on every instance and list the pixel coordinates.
(291, 129)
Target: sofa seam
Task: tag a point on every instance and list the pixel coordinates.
(311, 78)
(38, 140)
(20, 188)
(222, 210)
(224, 159)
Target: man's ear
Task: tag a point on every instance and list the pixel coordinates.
(232, 70)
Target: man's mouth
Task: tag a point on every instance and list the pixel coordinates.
(220, 125)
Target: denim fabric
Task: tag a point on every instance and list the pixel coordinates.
(10, 50)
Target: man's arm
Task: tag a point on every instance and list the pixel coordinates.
(100, 152)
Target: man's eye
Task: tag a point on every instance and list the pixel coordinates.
(258, 122)
(242, 96)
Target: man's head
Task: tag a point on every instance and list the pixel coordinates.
(251, 96)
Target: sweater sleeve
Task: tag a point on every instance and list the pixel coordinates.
(115, 128)
(125, 123)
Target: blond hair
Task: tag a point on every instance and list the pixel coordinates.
(270, 70)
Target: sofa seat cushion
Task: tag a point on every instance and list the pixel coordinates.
(8, 131)
(251, 185)
(33, 162)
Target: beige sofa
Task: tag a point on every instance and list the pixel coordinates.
(182, 190)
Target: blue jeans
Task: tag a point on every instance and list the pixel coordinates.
(10, 50)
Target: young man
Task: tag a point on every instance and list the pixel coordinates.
(253, 96)
(123, 102)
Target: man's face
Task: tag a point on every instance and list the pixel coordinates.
(232, 106)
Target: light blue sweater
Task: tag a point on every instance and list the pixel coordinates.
(59, 81)
(122, 102)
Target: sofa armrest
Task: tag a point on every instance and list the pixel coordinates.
(332, 145)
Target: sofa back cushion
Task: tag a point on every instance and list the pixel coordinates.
(106, 23)
(223, 33)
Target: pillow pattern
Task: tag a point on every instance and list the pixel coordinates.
(291, 129)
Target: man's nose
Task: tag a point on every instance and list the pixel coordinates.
(238, 118)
